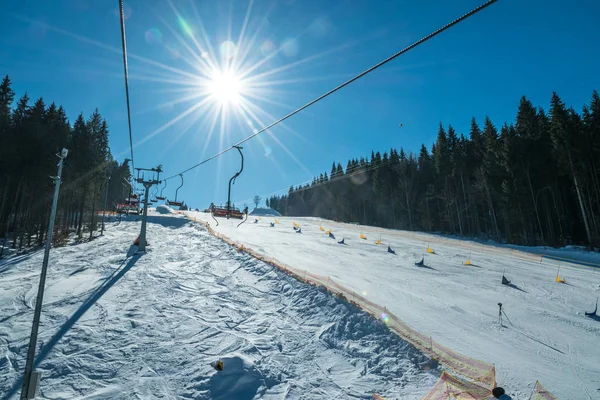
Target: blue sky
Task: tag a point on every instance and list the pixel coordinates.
(68, 51)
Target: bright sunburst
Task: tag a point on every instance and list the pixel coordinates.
(228, 83)
(225, 87)
(221, 87)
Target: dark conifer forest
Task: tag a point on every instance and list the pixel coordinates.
(534, 182)
(31, 134)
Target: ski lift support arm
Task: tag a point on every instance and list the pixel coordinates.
(180, 186)
(232, 180)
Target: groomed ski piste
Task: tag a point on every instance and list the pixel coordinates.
(545, 334)
(149, 326)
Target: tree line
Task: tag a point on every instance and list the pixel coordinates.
(534, 182)
(31, 134)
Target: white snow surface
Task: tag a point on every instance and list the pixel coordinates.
(546, 337)
(265, 212)
(164, 209)
(149, 326)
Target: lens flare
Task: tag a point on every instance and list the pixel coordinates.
(153, 36)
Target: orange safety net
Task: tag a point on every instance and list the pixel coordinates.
(451, 387)
(541, 393)
(473, 369)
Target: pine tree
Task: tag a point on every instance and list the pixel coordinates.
(530, 183)
(563, 130)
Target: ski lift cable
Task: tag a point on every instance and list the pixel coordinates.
(126, 70)
(346, 83)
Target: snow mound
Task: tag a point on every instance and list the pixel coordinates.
(240, 379)
(265, 212)
(164, 209)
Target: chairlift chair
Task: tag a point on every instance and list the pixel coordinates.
(153, 199)
(161, 197)
(176, 203)
(228, 211)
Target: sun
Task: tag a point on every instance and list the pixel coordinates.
(225, 87)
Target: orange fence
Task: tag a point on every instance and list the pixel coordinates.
(451, 387)
(540, 393)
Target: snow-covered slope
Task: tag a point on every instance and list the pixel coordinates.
(265, 212)
(546, 336)
(149, 327)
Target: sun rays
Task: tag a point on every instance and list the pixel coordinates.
(216, 87)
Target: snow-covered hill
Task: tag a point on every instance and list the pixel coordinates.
(265, 212)
(546, 337)
(149, 327)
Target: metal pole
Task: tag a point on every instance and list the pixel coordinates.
(40, 296)
(142, 245)
(104, 208)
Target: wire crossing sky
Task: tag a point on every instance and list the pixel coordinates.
(373, 68)
(203, 75)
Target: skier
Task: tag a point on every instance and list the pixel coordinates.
(499, 393)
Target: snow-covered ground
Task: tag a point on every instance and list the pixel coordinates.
(265, 212)
(149, 326)
(546, 336)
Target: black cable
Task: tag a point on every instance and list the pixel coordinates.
(121, 7)
(406, 49)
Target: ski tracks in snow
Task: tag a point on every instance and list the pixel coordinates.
(192, 299)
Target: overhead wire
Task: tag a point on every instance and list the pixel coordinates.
(126, 70)
(346, 83)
